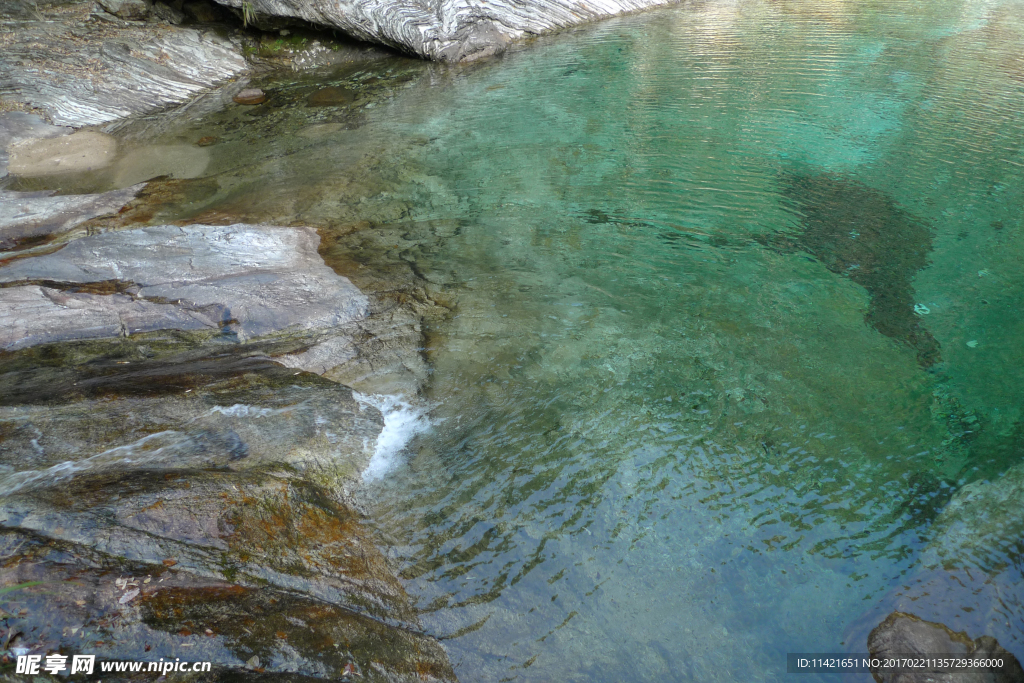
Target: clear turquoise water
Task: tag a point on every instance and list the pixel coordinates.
(686, 418)
(684, 422)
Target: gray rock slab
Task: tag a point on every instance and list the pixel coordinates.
(31, 214)
(39, 315)
(83, 72)
(256, 280)
(447, 30)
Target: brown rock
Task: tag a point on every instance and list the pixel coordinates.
(250, 96)
(906, 635)
(207, 140)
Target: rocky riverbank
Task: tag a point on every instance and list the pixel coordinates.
(181, 447)
(176, 482)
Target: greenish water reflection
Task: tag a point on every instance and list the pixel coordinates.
(688, 418)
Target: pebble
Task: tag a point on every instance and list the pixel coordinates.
(250, 96)
(207, 140)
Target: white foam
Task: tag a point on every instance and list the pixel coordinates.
(402, 421)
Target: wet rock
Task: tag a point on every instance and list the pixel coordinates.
(253, 528)
(36, 315)
(187, 415)
(245, 280)
(205, 508)
(250, 96)
(76, 153)
(905, 635)
(130, 10)
(77, 607)
(207, 140)
(83, 72)
(25, 215)
(453, 31)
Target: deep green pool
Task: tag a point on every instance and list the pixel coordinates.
(737, 292)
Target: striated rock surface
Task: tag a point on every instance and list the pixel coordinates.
(203, 509)
(447, 30)
(905, 635)
(240, 279)
(84, 70)
(25, 215)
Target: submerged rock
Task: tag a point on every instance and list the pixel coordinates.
(331, 96)
(905, 635)
(981, 526)
(448, 31)
(860, 233)
(175, 161)
(18, 126)
(250, 96)
(82, 151)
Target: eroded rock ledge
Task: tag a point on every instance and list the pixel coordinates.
(173, 475)
(446, 30)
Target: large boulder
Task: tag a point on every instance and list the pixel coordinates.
(447, 30)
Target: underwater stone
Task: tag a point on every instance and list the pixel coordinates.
(860, 233)
(17, 126)
(981, 525)
(331, 96)
(145, 163)
(82, 151)
(250, 96)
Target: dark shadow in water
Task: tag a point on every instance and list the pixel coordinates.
(861, 233)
